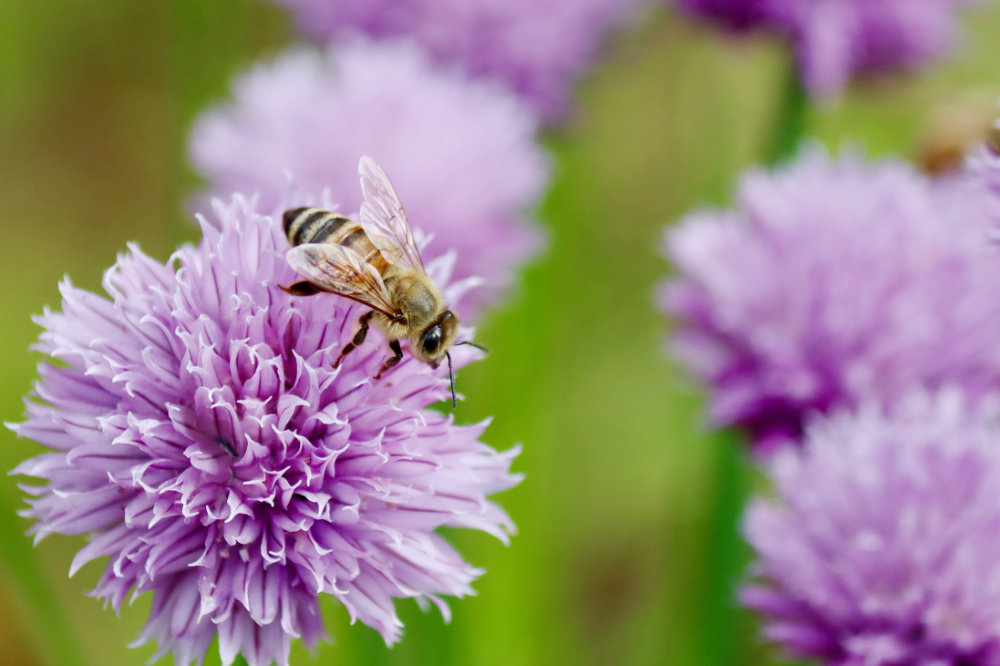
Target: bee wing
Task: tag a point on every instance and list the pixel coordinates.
(382, 213)
(342, 271)
(392, 252)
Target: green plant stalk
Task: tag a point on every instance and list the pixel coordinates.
(726, 555)
(790, 119)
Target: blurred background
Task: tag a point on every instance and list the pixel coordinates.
(627, 549)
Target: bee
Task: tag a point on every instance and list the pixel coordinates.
(375, 262)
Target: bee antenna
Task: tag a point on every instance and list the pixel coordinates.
(451, 376)
(472, 344)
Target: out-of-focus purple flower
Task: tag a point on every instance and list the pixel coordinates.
(201, 436)
(835, 40)
(538, 48)
(883, 546)
(461, 153)
(834, 281)
(735, 15)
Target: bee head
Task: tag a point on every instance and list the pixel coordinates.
(437, 339)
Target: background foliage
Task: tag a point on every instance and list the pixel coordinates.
(627, 549)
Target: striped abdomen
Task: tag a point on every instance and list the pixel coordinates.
(314, 225)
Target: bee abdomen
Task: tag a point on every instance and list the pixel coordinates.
(313, 225)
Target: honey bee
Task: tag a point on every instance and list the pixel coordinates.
(375, 262)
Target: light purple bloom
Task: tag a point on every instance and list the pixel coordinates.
(462, 154)
(883, 546)
(201, 436)
(835, 40)
(833, 282)
(537, 48)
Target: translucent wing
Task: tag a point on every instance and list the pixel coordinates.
(382, 213)
(388, 247)
(342, 271)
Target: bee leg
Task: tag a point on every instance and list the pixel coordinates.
(300, 289)
(393, 360)
(358, 338)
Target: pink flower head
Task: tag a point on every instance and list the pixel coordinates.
(883, 545)
(199, 433)
(537, 48)
(736, 15)
(835, 40)
(834, 282)
(461, 153)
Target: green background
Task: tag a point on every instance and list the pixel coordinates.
(627, 549)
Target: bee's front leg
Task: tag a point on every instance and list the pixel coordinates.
(358, 338)
(392, 360)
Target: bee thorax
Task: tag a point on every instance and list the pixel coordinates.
(418, 298)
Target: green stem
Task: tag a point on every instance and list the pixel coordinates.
(790, 121)
(725, 557)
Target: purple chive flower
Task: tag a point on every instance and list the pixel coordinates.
(883, 546)
(461, 153)
(835, 40)
(537, 48)
(201, 436)
(833, 282)
(737, 15)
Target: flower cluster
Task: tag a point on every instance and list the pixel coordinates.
(883, 546)
(835, 40)
(201, 436)
(832, 283)
(538, 48)
(461, 153)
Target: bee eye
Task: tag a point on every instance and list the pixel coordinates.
(431, 341)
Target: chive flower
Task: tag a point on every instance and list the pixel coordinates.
(837, 40)
(883, 541)
(536, 48)
(831, 282)
(196, 429)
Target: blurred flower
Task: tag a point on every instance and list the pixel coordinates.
(834, 281)
(537, 48)
(735, 15)
(835, 40)
(202, 438)
(461, 153)
(884, 544)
